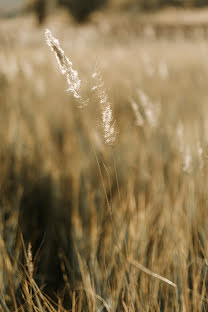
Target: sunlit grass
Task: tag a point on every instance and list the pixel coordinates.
(96, 227)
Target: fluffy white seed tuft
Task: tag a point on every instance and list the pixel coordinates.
(66, 69)
(107, 116)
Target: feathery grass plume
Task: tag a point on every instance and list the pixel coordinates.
(107, 116)
(138, 116)
(151, 111)
(66, 69)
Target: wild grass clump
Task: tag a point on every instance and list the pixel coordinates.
(89, 226)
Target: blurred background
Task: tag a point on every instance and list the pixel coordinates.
(81, 9)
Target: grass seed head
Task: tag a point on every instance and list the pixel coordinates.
(65, 65)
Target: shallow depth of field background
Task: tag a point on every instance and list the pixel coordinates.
(85, 226)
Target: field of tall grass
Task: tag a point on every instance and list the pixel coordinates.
(90, 225)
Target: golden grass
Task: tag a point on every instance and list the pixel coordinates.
(89, 227)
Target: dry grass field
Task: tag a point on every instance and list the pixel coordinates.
(90, 226)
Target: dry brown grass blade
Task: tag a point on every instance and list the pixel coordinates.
(165, 280)
(149, 272)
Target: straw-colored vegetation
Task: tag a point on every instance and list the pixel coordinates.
(88, 226)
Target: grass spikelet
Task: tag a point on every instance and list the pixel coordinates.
(107, 115)
(65, 65)
(30, 261)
